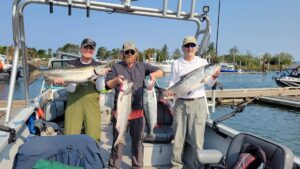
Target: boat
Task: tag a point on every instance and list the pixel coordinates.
(5, 69)
(289, 77)
(229, 68)
(222, 143)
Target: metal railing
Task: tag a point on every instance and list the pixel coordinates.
(125, 7)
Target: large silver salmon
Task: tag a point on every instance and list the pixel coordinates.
(123, 110)
(150, 107)
(70, 75)
(193, 79)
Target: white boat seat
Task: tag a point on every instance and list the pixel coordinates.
(209, 156)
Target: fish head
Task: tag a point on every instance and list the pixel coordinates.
(101, 70)
(126, 87)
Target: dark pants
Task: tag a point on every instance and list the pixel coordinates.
(136, 129)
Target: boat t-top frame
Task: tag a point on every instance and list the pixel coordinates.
(124, 7)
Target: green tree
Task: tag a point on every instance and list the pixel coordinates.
(41, 53)
(176, 54)
(164, 54)
(233, 52)
(101, 53)
(49, 53)
(70, 48)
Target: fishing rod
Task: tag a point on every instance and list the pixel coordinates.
(237, 109)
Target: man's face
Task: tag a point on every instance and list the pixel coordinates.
(87, 51)
(129, 56)
(189, 49)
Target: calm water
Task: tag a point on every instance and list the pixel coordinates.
(279, 124)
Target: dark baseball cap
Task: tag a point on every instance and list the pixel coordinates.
(88, 42)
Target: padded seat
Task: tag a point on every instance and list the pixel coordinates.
(278, 156)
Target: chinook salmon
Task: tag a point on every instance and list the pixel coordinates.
(150, 107)
(123, 110)
(193, 79)
(69, 75)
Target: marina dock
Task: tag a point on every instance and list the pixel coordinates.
(286, 101)
(254, 92)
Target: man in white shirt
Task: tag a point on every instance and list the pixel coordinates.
(191, 109)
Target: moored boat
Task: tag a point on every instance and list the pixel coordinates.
(289, 77)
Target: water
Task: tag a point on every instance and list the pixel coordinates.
(276, 123)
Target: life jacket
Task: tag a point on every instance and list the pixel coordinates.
(252, 157)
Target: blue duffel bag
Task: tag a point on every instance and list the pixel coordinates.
(72, 150)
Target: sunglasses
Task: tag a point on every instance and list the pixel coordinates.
(188, 45)
(130, 51)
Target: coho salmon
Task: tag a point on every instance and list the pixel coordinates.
(150, 106)
(192, 80)
(69, 75)
(123, 110)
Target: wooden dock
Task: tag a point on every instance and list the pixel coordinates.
(254, 92)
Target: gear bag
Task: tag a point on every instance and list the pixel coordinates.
(73, 150)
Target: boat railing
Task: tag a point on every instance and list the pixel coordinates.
(125, 7)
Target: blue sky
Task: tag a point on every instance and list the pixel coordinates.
(256, 25)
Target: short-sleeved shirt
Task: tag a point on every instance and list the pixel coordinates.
(182, 67)
(136, 74)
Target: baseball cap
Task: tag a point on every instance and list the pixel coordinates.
(128, 46)
(88, 42)
(189, 39)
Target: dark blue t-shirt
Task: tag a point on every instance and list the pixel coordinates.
(136, 74)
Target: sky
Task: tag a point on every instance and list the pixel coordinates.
(257, 26)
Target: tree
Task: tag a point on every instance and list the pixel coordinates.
(49, 53)
(164, 54)
(101, 53)
(41, 53)
(176, 54)
(69, 48)
(233, 52)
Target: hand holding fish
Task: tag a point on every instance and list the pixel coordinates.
(58, 81)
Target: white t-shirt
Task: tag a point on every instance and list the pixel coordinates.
(181, 67)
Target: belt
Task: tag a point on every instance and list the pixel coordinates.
(191, 99)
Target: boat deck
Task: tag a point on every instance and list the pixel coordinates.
(17, 105)
(106, 143)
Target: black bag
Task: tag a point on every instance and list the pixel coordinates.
(252, 157)
(73, 150)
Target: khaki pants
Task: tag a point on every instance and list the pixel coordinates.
(189, 126)
(83, 108)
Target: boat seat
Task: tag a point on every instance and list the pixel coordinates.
(277, 156)
(163, 133)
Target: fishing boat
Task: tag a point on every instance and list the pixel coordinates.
(289, 77)
(222, 144)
